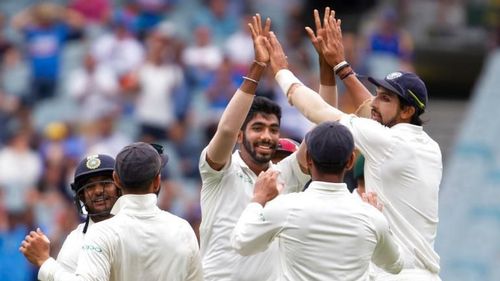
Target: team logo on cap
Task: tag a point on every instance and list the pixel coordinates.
(93, 162)
(394, 75)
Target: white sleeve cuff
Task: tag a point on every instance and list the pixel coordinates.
(47, 270)
(286, 79)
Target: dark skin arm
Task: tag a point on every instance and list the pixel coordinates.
(333, 52)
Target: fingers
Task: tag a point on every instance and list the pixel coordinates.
(311, 35)
(267, 27)
(258, 22)
(252, 31)
(268, 45)
(372, 199)
(24, 244)
(339, 28)
(317, 20)
(275, 43)
(326, 16)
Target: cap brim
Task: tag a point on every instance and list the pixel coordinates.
(384, 84)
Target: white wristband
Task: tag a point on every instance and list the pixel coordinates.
(286, 79)
(339, 65)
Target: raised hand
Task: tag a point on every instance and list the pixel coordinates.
(260, 38)
(277, 55)
(35, 247)
(320, 30)
(331, 44)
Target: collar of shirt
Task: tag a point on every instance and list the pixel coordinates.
(244, 165)
(327, 187)
(136, 203)
(408, 127)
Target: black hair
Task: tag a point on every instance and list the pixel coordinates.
(262, 105)
(330, 168)
(139, 186)
(415, 118)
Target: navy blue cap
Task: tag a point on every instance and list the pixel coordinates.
(330, 144)
(139, 162)
(406, 85)
(91, 166)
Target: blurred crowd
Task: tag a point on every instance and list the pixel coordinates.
(82, 77)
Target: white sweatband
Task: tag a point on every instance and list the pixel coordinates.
(339, 65)
(286, 79)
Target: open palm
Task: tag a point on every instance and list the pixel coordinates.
(260, 36)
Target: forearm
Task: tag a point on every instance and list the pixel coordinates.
(326, 74)
(329, 94)
(252, 234)
(222, 144)
(358, 92)
(308, 102)
(327, 83)
(51, 270)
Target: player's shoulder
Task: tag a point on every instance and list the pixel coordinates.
(173, 219)
(375, 217)
(286, 201)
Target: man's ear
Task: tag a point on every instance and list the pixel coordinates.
(407, 112)
(351, 161)
(309, 162)
(239, 140)
(117, 180)
(157, 184)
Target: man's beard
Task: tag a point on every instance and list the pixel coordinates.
(388, 123)
(260, 159)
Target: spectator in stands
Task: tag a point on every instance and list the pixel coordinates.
(203, 58)
(158, 80)
(389, 47)
(46, 27)
(119, 50)
(92, 84)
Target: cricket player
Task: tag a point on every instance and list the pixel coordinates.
(140, 242)
(228, 178)
(324, 233)
(403, 164)
(95, 195)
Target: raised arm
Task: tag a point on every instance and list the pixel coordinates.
(333, 51)
(328, 85)
(308, 102)
(221, 146)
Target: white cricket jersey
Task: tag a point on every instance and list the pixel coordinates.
(324, 233)
(141, 242)
(403, 165)
(224, 196)
(68, 255)
(70, 250)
